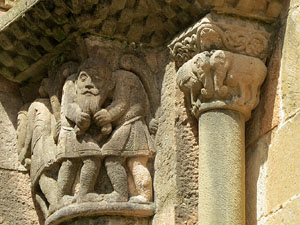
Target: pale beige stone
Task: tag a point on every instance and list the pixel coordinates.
(256, 171)
(282, 178)
(221, 168)
(272, 171)
(267, 114)
(289, 65)
(287, 214)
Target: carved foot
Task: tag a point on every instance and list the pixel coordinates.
(90, 197)
(115, 197)
(66, 200)
(138, 199)
(223, 91)
(52, 209)
(206, 94)
(239, 101)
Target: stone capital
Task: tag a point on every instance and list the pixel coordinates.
(222, 32)
(220, 62)
(222, 80)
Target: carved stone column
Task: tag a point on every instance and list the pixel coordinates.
(221, 68)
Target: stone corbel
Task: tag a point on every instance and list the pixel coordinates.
(221, 67)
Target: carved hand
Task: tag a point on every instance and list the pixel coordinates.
(83, 120)
(102, 117)
(153, 126)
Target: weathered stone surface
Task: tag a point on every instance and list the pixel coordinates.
(56, 18)
(16, 206)
(289, 64)
(287, 214)
(256, 171)
(267, 114)
(273, 170)
(111, 220)
(221, 167)
(165, 161)
(10, 103)
(264, 10)
(77, 212)
(87, 138)
(283, 165)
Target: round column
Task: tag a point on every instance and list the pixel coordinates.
(221, 167)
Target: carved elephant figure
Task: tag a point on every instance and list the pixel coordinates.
(240, 73)
(194, 76)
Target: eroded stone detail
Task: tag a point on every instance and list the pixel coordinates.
(266, 10)
(220, 63)
(89, 115)
(222, 79)
(220, 32)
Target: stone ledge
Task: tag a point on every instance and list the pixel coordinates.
(100, 209)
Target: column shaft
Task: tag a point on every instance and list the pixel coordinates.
(221, 168)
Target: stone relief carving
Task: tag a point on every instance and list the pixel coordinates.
(222, 79)
(89, 115)
(220, 68)
(213, 32)
(267, 10)
(220, 63)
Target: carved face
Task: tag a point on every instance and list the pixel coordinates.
(92, 90)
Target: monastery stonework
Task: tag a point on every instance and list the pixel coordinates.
(150, 112)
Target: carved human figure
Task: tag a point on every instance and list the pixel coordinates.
(130, 139)
(83, 95)
(38, 150)
(38, 128)
(126, 107)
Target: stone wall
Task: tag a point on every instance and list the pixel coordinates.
(16, 206)
(272, 179)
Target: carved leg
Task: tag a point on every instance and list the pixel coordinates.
(219, 77)
(244, 93)
(142, 179)
(66, 177)
(88, 176)
(42, 204)
(118, 178)
(208, 89)
(255, 93)
(48, 187)
(220, 64)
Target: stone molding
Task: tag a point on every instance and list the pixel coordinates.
(221, 32)
(97, 209)
(264, 10)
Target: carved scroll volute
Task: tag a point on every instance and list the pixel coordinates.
(220, 62)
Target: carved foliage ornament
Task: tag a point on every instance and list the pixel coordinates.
(214, 33)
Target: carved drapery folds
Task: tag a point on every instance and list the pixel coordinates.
(220, 63)
(86, 141)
